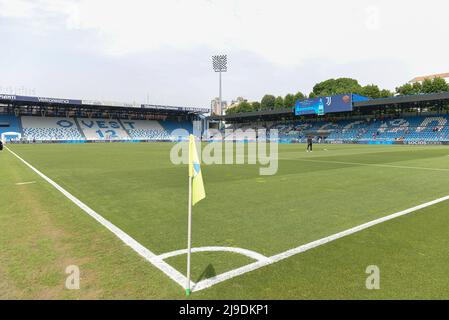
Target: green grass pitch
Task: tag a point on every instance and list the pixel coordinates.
(313, 195)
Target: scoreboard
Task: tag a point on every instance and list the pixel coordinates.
(323, 105)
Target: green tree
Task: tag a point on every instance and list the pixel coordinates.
(337, 86)
(434, 86)
(289, 101)
(256, 106)
(299, 96)
(245, 106)
(268, 102)
(231, 111)
(384, 93)
(279, 103)
(427, 86)
(417, 88)
(408, 89)
(242, 107)
(440, 85)
(370, 91)
(405, 89)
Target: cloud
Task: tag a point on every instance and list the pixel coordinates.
(17, 8)
(41, 14)
(273, 46)
(283, 32)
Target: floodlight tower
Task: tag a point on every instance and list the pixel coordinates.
(220, 64)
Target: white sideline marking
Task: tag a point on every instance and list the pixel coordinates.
(249, 253)
(262, 261)
(24, 183)
(174, 274)
(368, 164)
(286, 254)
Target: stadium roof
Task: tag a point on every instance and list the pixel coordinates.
(420, 100)
(94, 104)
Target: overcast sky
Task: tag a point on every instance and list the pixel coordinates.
(125, 50)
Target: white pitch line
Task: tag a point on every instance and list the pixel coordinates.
(367, 164)
(174, 274)
(249, 253)
(286, 254)
(180, 279)
(25, 183)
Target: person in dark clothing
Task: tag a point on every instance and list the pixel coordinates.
(309, 144)
(1, 145)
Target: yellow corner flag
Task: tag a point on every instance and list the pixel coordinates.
(198, 192)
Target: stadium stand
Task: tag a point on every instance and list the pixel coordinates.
(155, 130)
(44, 119)
(182, 128)
(406, 129)
(243, 133)
(10, 128)
(102, 129)
(35, 128)
(50, 129)
(145, 130)
(412, 129)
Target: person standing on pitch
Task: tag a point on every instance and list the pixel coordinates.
(309, 144)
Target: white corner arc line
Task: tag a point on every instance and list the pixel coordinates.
(249, 253)
(181, 279)
(286, 254)
(171, 272)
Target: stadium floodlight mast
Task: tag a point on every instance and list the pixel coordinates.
(220, 64)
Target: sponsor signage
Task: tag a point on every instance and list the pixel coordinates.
(323, 105)
(11, 97)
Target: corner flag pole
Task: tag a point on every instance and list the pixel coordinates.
(196, 193)
(189, 237)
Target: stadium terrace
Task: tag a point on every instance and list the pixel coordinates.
(43, 119)
(137, 189)
(415, 119)
(347, 118)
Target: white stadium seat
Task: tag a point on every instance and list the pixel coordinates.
(102, 129)
(50, 129)
(146, 130)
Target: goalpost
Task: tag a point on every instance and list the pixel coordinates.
(8, 136)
